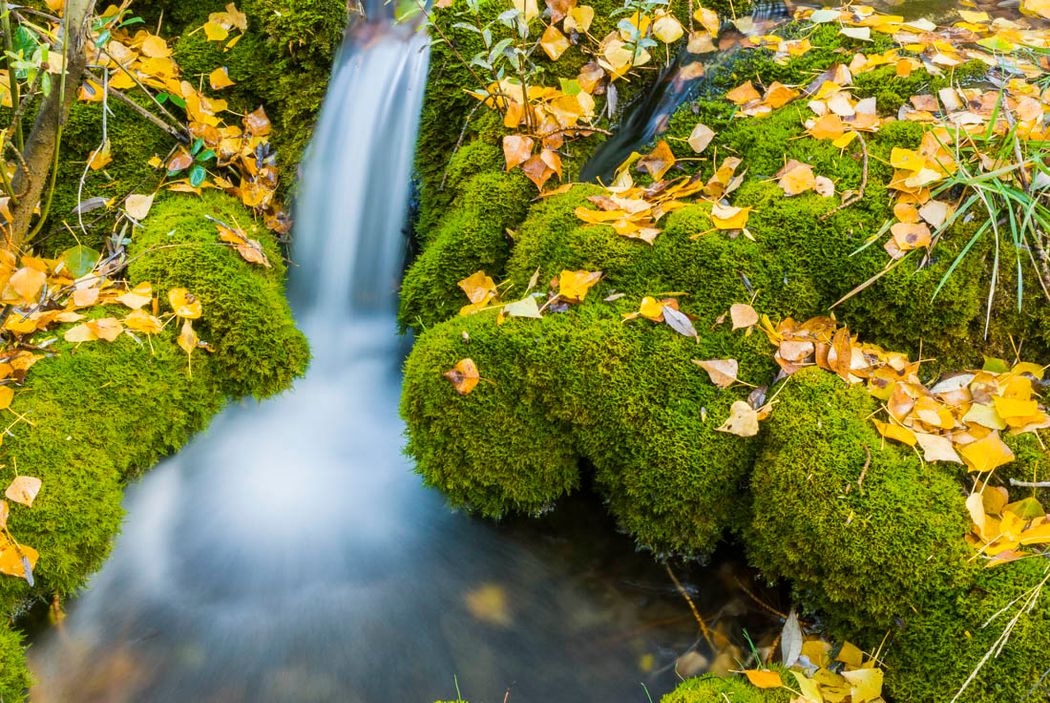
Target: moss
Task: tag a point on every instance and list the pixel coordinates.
(14, 674)
(494, 450)
(937, 648)
(246, 316)
(133, 141)
(867, 552)
(471, 237)
(734, 689)
(583, 386)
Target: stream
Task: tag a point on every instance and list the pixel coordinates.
(290, 554)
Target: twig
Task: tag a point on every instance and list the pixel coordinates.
(1029, 484)
(175, 132)
(864, 471)
(692, 606)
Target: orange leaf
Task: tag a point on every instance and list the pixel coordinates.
(517, 149)
(184, 303)
(464, 376)
(761, 678)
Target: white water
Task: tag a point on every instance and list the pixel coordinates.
(289, 553)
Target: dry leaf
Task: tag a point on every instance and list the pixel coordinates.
(23, 489)
(742, 421)
(723, 372)
(464, 376)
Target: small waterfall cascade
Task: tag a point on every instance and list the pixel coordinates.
(290, 555)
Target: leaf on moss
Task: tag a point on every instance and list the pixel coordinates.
(464, 376)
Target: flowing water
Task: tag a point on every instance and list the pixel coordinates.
(289, 554)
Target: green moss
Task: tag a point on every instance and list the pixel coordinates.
(936, 649)
(867, 552)
(583, 386)
(734, 689)
(494, 450)
(471, 237)
(246, 316)
(14, 674)
(133, 141)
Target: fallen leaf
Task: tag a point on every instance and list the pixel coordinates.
(138, 206)
(185, 304)
(743, 422)
(23, 489)
(700, 137)
(986, 454)
(464, 376)
(679, 322)
(220, 78)
(723, 372)
(742, 315)
(763, 678)
(573, 285)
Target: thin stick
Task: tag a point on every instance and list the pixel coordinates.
(1029, 484)
(175, 132)
(692, 606)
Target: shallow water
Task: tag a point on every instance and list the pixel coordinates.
(289, 553)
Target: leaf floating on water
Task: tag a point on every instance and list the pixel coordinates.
(23, 489)
(488, 603)
(464, 376)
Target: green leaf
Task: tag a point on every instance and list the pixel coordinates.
(78, 261)
(197, 175)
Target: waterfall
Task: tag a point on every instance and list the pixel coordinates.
(290, 555)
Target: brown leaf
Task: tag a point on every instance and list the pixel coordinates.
(742, 315)
(723, 372)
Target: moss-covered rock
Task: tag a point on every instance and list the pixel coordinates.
(716, 689)
(247, 319)
(95, 415)
(886, 553)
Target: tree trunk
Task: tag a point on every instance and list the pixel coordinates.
(43, 139)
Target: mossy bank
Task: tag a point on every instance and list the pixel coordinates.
(98, 414)
(581, 396)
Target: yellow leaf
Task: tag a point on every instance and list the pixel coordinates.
(742, 421)
(666, 28)
(708, 19)
(865, 684)
(554, 43)
(142, 321)
(729, 217)
(80, 333)
(479, 287)
(137, 297)
(986, 454)
(11, 560)
(573, 285)
(188, 339)
(743, 94)
(528, 8)
(652, 309)
(5, 511)
(722, 372)
(1037, 8)
(657, 162)
(27, 282)
(220, 78)
(890, 430)
(215, 31)
(489, 604)
(850, 655)
(138, 206)
(23, 489)
(464, 376)
(185, 304)
(762, 678)
(517, 150)
(100, 157)
(7, 394)
(937, 448)
(809, 688)
(579, 19)
(700, 137)
(796, 178)
(742, 315)
(155, 47)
